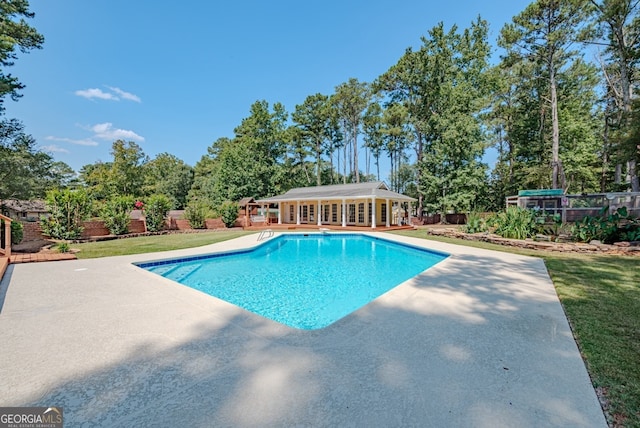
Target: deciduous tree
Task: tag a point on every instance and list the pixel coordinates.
(167, 175)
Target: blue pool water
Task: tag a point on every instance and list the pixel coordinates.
(303, 281)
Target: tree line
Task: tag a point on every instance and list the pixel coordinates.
(560, 109)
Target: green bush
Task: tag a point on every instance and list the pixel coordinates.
(155, 211)
(68, 209)
(17, 232)
(515, 223)
(607, 228)
(549, 224)
(116, 214)
(63, 247)
(475, 223)
(229, 213)
(196, 213)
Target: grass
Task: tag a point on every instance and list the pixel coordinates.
(152, 244)
(600, 295)
(601, 298)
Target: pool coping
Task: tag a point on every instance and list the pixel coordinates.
(310, 318)
(479, 339)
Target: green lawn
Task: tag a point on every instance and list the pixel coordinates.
(152, 244)
(601, 297)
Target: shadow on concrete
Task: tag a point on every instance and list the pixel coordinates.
(475, 341)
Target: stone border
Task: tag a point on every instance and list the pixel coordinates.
(160, 232)
(620, 248)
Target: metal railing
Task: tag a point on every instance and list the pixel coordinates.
(265, 234)
(575, 207)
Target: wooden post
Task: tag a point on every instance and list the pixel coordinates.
(7, 235)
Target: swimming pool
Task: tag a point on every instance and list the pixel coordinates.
(304, 281)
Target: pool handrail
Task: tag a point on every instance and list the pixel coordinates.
(265, 234)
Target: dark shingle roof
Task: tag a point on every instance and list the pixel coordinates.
(36, 206)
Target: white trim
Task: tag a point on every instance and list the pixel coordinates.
(279, 212)
(373, 212)
(386, 208)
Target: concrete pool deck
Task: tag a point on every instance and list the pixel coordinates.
(478, 340)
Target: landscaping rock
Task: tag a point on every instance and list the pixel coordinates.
(565, 246)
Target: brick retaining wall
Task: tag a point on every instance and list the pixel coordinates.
(31, 231)
(210, 223)
(97, 228)
(137, 226)
(93, 228)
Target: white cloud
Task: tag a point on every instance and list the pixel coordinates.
(125, 95)
(115, 94)
(106, 131)
(54, 149)
(101, 131)
(96, 93)
(83, 142)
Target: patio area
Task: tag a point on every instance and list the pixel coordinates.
(478, 340)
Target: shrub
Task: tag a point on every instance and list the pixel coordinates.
(116, 214)
(515, 223)
(229, 213)
(63, 247)
(17, 232)
(475, 223)
(156, 209)
(549, 224)
(196, 213)
(68, 209)
(608, 228)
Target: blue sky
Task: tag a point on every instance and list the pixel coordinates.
(176, 76)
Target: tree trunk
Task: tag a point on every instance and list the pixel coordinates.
(355, 152)
(367, 155)
(392, 174)
(344, 166)
(419, 175)
(605, 157)
(331, 162)
(633, 176)
(555, 133)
